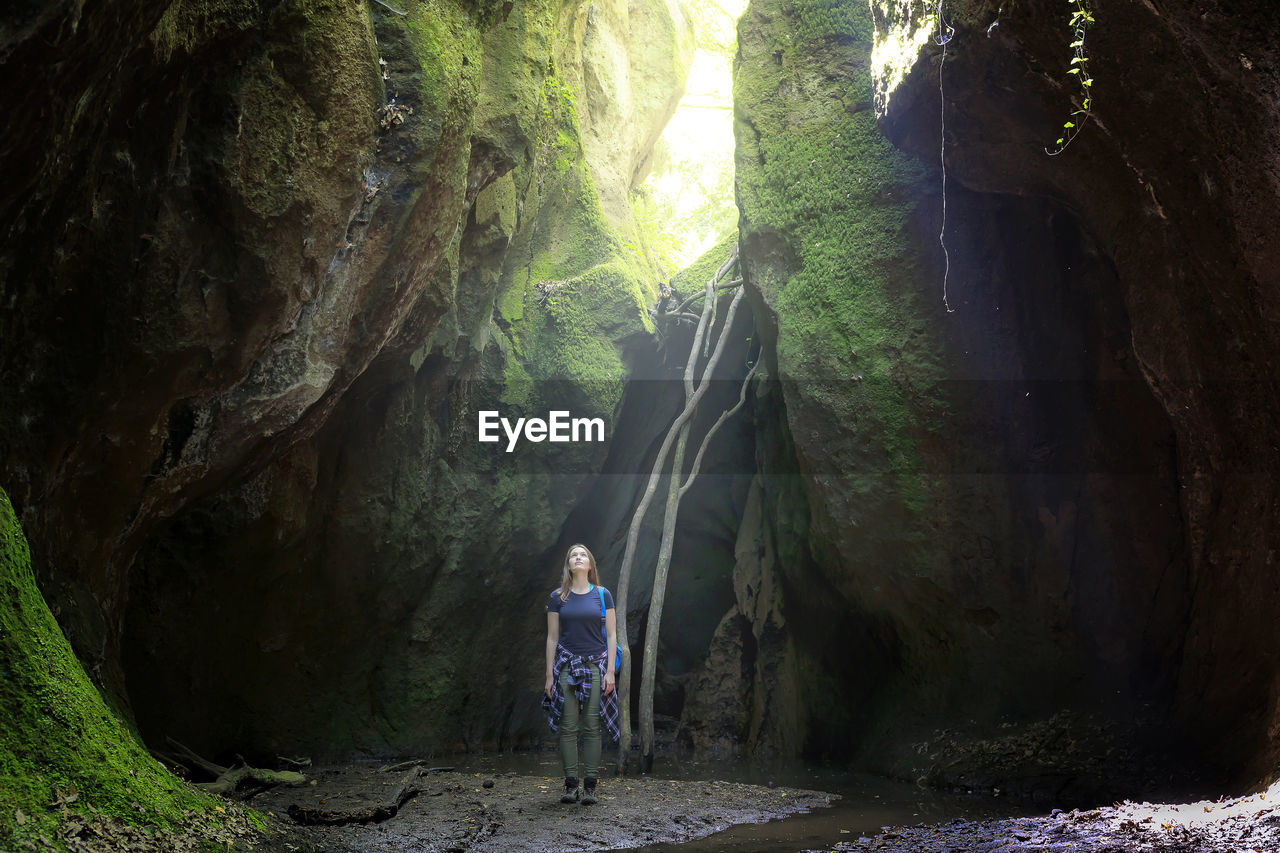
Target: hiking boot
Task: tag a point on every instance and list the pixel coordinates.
(571, 792)
(589, 795)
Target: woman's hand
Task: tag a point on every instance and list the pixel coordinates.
(608, 683)
(547, 689)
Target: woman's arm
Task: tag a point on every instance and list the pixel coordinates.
(611, 629)
(553, 637)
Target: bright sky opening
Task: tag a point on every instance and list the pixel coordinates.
(687, 203)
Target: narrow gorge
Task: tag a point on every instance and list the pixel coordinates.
(997, 515)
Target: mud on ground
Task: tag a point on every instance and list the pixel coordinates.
(455, 811)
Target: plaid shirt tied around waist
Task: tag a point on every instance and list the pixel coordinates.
(580, 680)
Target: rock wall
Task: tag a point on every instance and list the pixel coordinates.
(1168, 183)
(1021, 499)
(307, 242)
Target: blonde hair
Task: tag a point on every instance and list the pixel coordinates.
(566, 578)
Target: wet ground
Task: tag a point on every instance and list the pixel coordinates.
(511, 803)
(1248, 824)
(741, 809)
(489, 812)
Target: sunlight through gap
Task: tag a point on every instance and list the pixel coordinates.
(686, 205)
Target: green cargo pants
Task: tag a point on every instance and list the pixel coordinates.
(586, 720)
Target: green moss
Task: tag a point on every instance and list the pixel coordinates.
(305, 107)
(510, 306)
(57, 737)
(578, 323)
(695, 276)
(511, 110)
(901, 31)
(816, 20)
(517, 386)
(850, 323)
(486, 12)
(576, 287)
(447, 45)
(187, 24)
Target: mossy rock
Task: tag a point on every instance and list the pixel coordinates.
(694, 277)
(573, 289)
(817, 177)
(58, 739)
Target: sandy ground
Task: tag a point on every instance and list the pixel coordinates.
(1242, 825)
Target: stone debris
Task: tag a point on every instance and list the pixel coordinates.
(1242, 825)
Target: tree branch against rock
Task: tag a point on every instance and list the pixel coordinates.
(676, 439)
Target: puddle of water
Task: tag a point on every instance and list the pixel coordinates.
(866, 805)
(867, 802)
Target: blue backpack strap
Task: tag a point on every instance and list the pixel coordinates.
(604, 631)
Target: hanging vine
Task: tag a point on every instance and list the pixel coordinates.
(945, 32)
(1081, 21)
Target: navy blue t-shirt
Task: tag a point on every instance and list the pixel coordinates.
(581, 631)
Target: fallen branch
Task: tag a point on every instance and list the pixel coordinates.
(246, 781)
(412, 762)
(243, 781)
(186, 757)
(407, 789)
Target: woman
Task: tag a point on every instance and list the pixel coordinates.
(580, 685)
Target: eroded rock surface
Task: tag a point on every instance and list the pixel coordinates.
(260, 272)
(1020, 501)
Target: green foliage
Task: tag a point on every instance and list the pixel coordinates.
(713, 27)
(58, 739)
(1080, 22)
(687, 203)
(670, 226)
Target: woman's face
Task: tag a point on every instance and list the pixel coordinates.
(579, 560)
